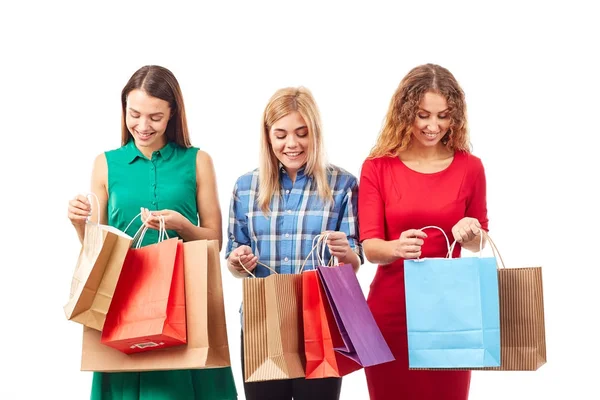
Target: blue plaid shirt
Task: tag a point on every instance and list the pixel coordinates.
(284, 239)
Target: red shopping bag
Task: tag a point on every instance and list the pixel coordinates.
(321, 334)
(148, 307)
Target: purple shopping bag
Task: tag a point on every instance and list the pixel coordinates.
(363, 340)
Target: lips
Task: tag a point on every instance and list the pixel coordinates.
(293, 155)
(144, 136)
(430, 135)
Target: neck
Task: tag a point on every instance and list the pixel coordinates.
(428, 153)
(148, 150)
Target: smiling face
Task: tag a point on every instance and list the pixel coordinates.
(432, 120)
(290, 142)
(147, 118)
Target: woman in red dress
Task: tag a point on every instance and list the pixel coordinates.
(420, 173)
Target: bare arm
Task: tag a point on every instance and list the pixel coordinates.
(82, 204)
(408, 245)
(379, 251)
(207, 199)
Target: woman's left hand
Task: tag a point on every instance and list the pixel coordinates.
(338, 244)
(466, 230)
(172, 219)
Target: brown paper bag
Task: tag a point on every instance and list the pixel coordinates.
(207, 345)
(522, 325)
(522, 328)
(273, 338)
(96, 274)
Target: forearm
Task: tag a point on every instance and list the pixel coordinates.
(189, 232)
(379, 251)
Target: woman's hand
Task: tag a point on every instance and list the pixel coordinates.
(79, 210)
(242, 255)
(338, 245)
(172, 219)
(466, 230)
(408, 245)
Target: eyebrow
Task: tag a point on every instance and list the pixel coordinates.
(429, 112)
(134, 110)
(295, 130)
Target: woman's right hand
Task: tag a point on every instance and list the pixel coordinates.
(244, 255)
(408, 246)
(79, 210)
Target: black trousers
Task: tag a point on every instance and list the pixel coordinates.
(297, 389)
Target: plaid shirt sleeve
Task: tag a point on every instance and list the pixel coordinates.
(349, 221)
(238, 226)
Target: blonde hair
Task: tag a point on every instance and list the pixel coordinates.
(396, 133)
(284, 102)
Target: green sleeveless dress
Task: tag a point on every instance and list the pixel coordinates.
(166, 181)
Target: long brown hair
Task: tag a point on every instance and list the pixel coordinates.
(396, 133)
(284, 102)
(158, 82)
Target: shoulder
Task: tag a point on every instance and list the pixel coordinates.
(100, 169)
(100, 163)
(247, 181)
(119, 154)
(203, 159)
(340, 179)
(377, 163)
(373, 168)
(473, 164)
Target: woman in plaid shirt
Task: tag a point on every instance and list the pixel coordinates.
(277, 210)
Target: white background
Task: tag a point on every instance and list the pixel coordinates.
(529, 70)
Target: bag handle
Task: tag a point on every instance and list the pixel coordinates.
(320, 239)
(89, 196)
(494, 248)
(449, 254)
(483, 233)
(138, 238)
(259, 263)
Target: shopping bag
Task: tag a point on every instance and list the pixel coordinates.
(522, 323)
(452, 312)
(321, 334)
(272, 328)
(207, 344)
(362, 340)
(96, 274)
(148, 308)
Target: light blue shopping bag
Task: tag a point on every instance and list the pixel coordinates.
(452, 312)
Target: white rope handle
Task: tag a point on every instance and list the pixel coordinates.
(162, 234)
(131, 222)
(449, 254)
(333, 260)
(481, 233)
(312, 251)
(89, 196)
(138, 238)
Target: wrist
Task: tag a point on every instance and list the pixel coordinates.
(183, 227)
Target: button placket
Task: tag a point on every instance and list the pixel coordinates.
(154, 193)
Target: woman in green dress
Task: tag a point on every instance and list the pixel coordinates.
(156, 172)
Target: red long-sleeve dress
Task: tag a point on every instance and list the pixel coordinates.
(394, 198)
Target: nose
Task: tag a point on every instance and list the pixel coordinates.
(433, 126)
(144, 124)
(291, 141)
